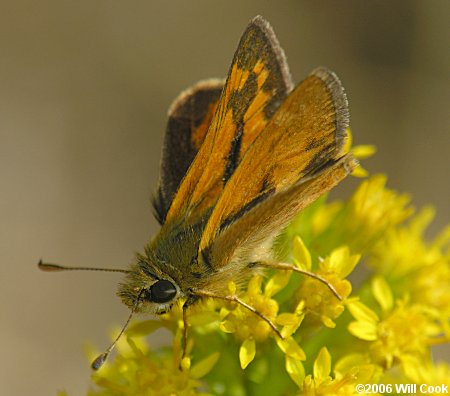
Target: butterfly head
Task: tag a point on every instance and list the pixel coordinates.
(147, 290)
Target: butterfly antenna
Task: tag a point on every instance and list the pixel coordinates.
(56, 267)
(98, 362)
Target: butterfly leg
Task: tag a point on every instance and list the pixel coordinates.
(185, 329)
(190, 300)
(291, 267)
(204, 293)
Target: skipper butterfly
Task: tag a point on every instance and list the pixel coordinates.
(241, 158)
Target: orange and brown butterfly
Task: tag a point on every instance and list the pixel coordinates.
(241, 158)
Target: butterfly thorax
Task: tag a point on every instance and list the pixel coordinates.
(175, 251)
(171, 255)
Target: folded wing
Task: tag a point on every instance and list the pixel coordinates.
(257, 83)
(296, 158)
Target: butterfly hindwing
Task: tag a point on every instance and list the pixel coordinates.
(303, 140)
(257, 83)
(189, 119)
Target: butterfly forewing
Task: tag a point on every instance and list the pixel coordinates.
(257, 83)
(304, 138)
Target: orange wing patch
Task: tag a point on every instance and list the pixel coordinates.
(258, 81)
(304, 137)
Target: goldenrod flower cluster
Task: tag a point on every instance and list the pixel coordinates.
(395, 286)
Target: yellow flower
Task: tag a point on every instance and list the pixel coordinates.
(405, 330)
(364, 218)
(348, 373)
(406, 311)
(136, 371)
(412, 265)
(250, 328)
(402, 250)
(319, 302)
(428, 372)
(245, 324)
(201, 316)
(419, 371)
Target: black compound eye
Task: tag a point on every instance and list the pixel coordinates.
(162, 291)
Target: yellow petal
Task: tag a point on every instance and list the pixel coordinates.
(301, 254)
(322, 364)
(186, 363)
(382, 293)
(348, 265)
(145, 327)
(327, 321)
(359, 171)
(349, 361)
(254, 286)
(291, 324)
(232, 287)
(277, 283)
(364, 373)
(348, 142)
(287, 319)
(224, 312)
(308, 382)
(204, 366)
(290, 347)
(364, 151)
(362, 312)
(227, 326)
(203, 318)
(338, 257)
(364, 330)
(247, 352)
(295, 370)
(300, 307)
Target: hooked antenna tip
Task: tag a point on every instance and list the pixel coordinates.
(49, 267)
(98, 362)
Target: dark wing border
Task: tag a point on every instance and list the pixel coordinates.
(186, 115)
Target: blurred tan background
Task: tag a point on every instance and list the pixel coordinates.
(84, 90)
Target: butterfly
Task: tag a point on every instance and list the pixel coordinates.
(241, 158)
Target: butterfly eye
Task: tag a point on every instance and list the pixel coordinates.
(161, 292)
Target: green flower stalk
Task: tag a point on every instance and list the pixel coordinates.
(381, 332)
